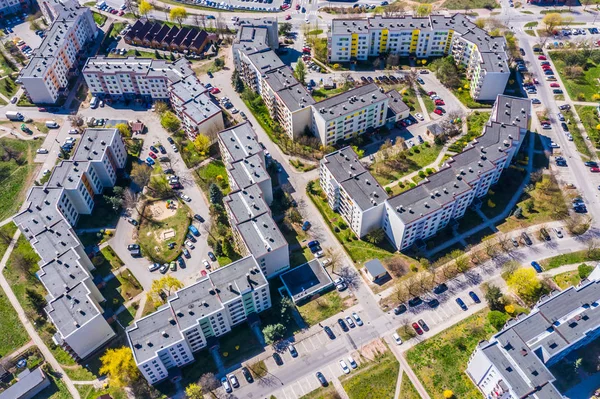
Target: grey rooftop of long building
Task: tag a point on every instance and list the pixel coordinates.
(94, 143)
(173, 71)
(72, 310)
(27, 382)
(265, 61)
(41, 212)
(349, 102)
(237, 279)
(240, 141)
(62, 274)
(200, 108)
(261, 235)
(395, 103)
(343, 164)
(54, 240)
(68, 174)
(188, 88)
(248, 171)
(246, 204)
(512, 111)
(494, 61)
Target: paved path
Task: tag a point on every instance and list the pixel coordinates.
(19, 351)
(339, 388)
(399, 382)
(140, 310)
(27, 324)
(404, 366)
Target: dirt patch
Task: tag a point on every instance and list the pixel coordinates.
(161, 210)
(371, 350)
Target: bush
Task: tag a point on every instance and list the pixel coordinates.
(491, 204)
(497, 319)
(422, 174)
(584, 270)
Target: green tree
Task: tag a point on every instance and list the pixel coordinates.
(285, 28)
(300, 71)
(228, 249)
(163, 288)
(285, 306)
(202, 143)
(494, 298)
(273, 333)
(375, 237)
(219, 63)
(36, 300)
(552, 20)
(115, 202)
(237, 82)
(446, 71)
(124, 129)
(178, 14)
(194, 391)
(497, 319)
(160, 107)
(140, 174)
(215, 194)
(120, 366)
(170, 122)
(525, 283)
(423, 10)
(144, 8)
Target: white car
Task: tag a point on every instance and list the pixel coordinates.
(42, 151)
(205, 263)
(14, 99)
(344, 367)
(70, 140)
(397, 338)
(174, 147)
(184, 197)
(234, 111)
(356, 317)
(350, 322)
(73, 131)
(46, 171)
(234, 381)
(352, 362)
(189, 244)
(554, 145)
(153, 267)
(419, 116)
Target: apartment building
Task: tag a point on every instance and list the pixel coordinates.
(160, 36)
(352, 191)
(195, 315)
(353, 112)
(47, 223)
(150, 80)
(419, 213)
(56, 60)
(267, 24)
(514, 362)
(483, 56)
(10, 7)
(52, 9)
(255, 232)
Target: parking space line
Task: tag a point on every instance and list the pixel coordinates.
(301, 389)
(443, 311)
(436, 317)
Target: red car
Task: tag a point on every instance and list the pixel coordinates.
(42, 110)
(438, 111)
(431, 93)
(554, 84)
(440, 102)
(287, 17)
(542, 57)
(297, 6)
(121, 12)
(215, 90)
(306, 50)
(417, 328)
(595, 169)
(285, 6)
(544, 67)
(442, 110)
(152, 155)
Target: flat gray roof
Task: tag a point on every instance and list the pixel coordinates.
(68, 174)
(343, 164)
(349, 102)
(265, 61)
(201, 108)
(54, 240)
(494, 61)
(27, 382)
(240, 141)
(512, 111)
(93, 144)
(195, 302)
(41, 212)
(246, 204)
(261, 235)
(63, 273)
(237, 278)
(375, 267)
(396, 104)
(305, 280)
(72, 310)
(188, 88)
(248, 171)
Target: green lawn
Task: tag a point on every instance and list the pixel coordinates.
(578, 139)
(17, 172)
(106, 262)
(589, 117)
(89, 392)
(429, 104)
(567, 279)
(417, 158)
(584, 87)
(360, 251)
(12, 332)
(373, 380)
(120, 289)
(464, 96)
(100, 19)
(214, 172)
(569, 259)
(151, 242)
(8, 87)
(440, 362)
(321, 94)
(475, 123)
(322, 308)
(8, 230)
(407, 389)
(469, 4)
(328, 392)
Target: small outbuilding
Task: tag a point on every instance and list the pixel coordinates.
(305, 281)
(28, 385)
(374, 270)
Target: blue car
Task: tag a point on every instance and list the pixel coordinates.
(306, 226)
(461, 304)
(150, 161)
(474, 297)
(313, 243)
(194, 230)
(536, 266)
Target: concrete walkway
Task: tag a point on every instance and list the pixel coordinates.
(339, 388)
(27, 324)
(398, 351)
(399, 382)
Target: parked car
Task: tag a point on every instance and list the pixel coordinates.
(164, 268)
(329, 332)
(344, 367)
(234, 380)
(474, 297)
(322, 379)
(247, 375)
(343, 325)
(537, 267)
(397, 338)
(350, 322)
(212, 256)
(357, 318)
(277, 359)
(398, 310)
(461, 303)
(417, 328)
(154, 267)
(423, 325)
(441, 288)
(416, 301)
(526, 238)
(226, 385)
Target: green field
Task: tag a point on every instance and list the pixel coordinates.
(469, 4)
(8, 230)
(407, 389)
(373, 380)
(589, 117)
(411, 160)
(153, 246)
(440, 362)
(583, 87)
(213, 172)
(16, 173)
(567, 279)
(569, 259)
(12, 332)
(322, 308)
(475, 123)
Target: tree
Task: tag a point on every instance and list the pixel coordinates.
(202, 143)
(494, 298)
(300, 71)
(448, 394)
(36, 300)
(335, 258)
(497, 319)
(140, 174)
(480, 23)
(273, 333)
(215, 194)
(178, 14)
(194, 391)
(447, 72)
(552, 20)
(115, 202)
(375, 237)
(76, 120)
(285, 28)
(144, 8)
(120, 366)
(209, 382)
(163, 288)
(237, 82)
(423, 10)
(160, 107)
(285, 308)
(525, 283)
(124, 129)
(508, 268)
(170, 122)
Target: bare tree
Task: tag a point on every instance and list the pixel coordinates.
(593, 248)
(335, 258)
(5, 238)
(76, 120)
(401, 293)
(21, 263)
(491, 249)
(209, 382)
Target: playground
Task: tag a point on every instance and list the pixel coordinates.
(163, 229)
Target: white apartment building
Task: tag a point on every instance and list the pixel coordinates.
(514, 362)
(352, 191)
(254, 230)
(197, 314)
(353, 112)
(65, 269)
(10, 7)
(150, 80)
(52, 9)
(46, 76)
(483, 56)
(422, 211)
